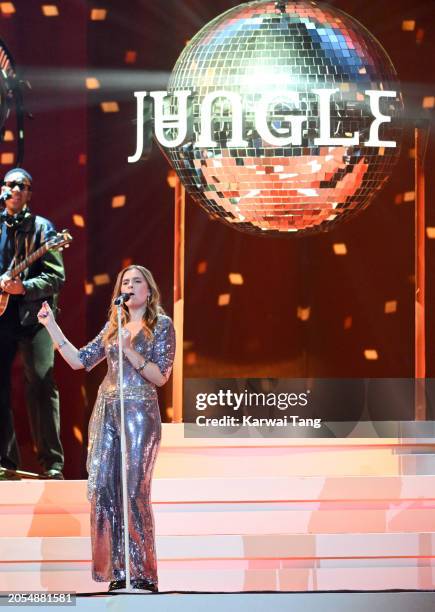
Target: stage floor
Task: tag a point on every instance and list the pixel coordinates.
(257, 602)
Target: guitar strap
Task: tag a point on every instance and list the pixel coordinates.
(13, 222)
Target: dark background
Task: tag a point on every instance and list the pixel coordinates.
(78, 157)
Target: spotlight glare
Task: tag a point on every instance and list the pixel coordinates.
(130, 57)
(7, 8)
(303, 313)
(408, 25)
(201, 267)
(428, 102)
(101, 279)
(98, 14)
(419, 36)
(78, 434)
(390, 307)
(7, 159)
(92, 83)
(110, 107)
(78, 220)
(409, 196)
(340, 248)
(235, 278)
(118, 201)
(224, 299)
(347, 322)
(191, 358)
(50, 10)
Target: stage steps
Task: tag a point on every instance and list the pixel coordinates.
(237, 515)
(237, 505)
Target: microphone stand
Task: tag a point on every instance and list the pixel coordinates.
(123, 454)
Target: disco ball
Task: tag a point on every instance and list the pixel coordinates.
(266, 48)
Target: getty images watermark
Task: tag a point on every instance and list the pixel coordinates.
(304, 408)
(226, 400)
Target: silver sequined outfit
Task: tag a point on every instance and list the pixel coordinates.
(143, 432)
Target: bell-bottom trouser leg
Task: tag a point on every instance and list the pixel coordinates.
(143, 430)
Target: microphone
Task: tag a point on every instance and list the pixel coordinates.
(122, 298)
(6, 195)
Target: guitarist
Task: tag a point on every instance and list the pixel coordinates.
(22, 233)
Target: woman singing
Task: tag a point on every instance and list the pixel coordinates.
(149, 348)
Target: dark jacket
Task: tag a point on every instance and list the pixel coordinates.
(44, 278)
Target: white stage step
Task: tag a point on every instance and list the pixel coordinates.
(234, 518)
(213, 457)
(287, 461)
(71, 493)
(280, 546)
(78, 579)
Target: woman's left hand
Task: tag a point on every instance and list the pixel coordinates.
(126, 340)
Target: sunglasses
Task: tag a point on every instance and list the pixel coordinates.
(12, 184)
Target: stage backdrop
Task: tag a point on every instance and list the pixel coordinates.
(255, 307)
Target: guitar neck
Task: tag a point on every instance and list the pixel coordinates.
(16, 270)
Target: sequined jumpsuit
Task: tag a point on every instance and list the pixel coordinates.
(143, 432)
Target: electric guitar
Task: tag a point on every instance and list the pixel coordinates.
(58, 242)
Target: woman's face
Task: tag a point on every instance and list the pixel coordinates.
(133, 282)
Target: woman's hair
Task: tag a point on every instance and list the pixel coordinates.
(152, 310)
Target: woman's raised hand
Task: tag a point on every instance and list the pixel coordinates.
(45, 315)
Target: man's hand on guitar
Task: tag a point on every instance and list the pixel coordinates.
(45, 315)
(12, 286)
